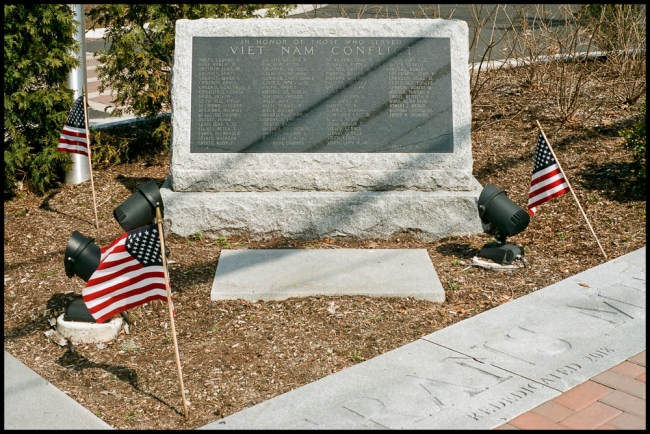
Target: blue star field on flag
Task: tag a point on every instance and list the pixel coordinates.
(143, 244)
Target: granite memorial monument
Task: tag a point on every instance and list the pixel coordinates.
(321, 127)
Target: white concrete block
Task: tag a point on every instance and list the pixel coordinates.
(89, 333)
(278, 274)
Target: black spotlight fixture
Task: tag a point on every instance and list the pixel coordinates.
(81, 259)
(497, 209)
(82, 256)
(139, 209)
(78, 311)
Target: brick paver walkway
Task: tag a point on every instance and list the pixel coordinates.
(614, 399)
(103, 99)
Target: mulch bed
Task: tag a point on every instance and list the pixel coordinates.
(236, 354)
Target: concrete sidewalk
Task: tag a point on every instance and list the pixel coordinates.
(573, 351)
(31, 402)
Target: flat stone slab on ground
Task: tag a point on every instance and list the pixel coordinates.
(278, 274)
(30, 400)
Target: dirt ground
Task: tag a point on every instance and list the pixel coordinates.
(236, 354)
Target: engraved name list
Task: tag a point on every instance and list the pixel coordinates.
(325, 95)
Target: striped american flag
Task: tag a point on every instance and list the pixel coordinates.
(130, 273)
(73, 136)
(548, 181)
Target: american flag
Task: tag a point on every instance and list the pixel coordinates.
(548, 181)
(73, 136)
(130, 273)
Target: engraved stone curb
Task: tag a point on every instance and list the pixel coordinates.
(566, 333)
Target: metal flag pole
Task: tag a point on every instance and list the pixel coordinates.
(571, 188)
(79, 171)
(169, 303)
(90, 164)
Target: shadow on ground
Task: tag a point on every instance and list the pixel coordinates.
(458, 250)
(134, 183)
(620, 178)
(75, 361)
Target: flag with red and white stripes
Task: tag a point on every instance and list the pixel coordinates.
(548, 182)
(73, 136)
(130, 273)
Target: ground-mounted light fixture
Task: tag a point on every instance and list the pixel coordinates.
(82, 255)
(78, 311)
(497, 209)
(139, 209)
(81, 259)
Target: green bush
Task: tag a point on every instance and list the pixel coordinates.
(127, 143)
(137, 65)
(37, 62)
(635, 140)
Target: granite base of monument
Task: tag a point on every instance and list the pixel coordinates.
(428, 215)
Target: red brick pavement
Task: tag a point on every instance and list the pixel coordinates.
(614, 399)
(105, 98)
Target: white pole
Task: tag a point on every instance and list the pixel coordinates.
(169, 303)
(90, 164)
(80, 170)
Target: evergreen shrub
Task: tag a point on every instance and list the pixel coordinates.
(38, 58)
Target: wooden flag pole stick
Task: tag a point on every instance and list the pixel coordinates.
(90, 161)
(169, 303)
(571, 188)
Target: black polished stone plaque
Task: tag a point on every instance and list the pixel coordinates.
(318, 94)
